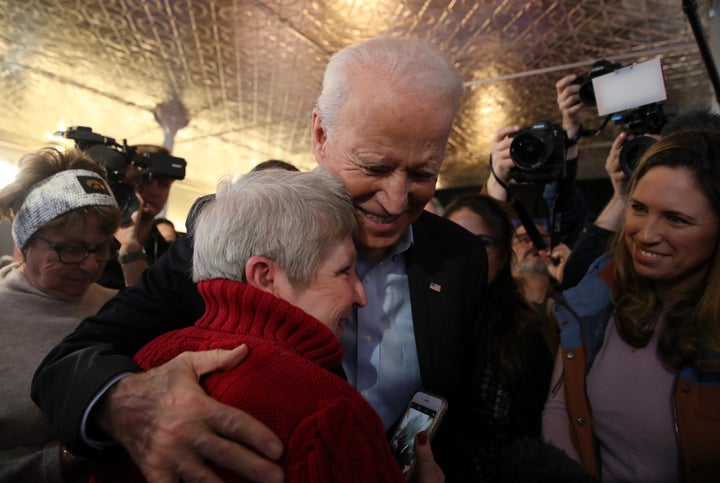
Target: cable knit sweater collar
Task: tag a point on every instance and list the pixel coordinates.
(235, 307)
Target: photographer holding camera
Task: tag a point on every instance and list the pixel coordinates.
(141, 243)
(565, 202)
(140, 178)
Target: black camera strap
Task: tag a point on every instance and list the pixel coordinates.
(556, 220)
(521, 212)
(588, 133)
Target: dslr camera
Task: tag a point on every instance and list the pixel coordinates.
(126, 166)
(538, 152)
(647, 119)
(587, 91)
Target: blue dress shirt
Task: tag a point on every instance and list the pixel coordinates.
(381, 359)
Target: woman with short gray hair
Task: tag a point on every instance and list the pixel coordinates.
(274, 260)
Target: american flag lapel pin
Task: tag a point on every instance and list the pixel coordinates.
(435, 287)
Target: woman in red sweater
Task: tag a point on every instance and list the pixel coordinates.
(275, 263)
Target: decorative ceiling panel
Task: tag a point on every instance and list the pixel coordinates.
(238, 78)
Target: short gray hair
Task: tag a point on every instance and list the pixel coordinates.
(293, 218)
(410, 65)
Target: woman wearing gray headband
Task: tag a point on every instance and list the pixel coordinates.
(64, 217)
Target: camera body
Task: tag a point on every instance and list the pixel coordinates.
(538, 152)
(640, 121)
(587, 91)
(119, 159)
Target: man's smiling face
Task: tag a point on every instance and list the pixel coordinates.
(387, 148)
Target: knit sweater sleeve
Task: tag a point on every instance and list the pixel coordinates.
(32, 464)
(344, 441)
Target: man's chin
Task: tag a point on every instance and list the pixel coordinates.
(374, 242)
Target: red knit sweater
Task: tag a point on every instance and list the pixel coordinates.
(329, 431)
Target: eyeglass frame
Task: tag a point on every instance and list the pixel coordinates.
(525, 239)
(488, 241)
(59, 247)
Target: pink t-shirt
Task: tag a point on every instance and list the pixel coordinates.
(630, 391)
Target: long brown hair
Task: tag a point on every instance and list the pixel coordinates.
(693, 324)
(511, 313)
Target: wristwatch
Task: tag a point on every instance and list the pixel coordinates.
(131, 256)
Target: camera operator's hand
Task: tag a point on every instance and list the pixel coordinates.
(129, 238)
(171, 427)
(571, 107)
(614, 170)
(127, 234)
(568, 100)
(610, 218)
(502, 163)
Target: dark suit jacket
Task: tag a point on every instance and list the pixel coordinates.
(447, 325)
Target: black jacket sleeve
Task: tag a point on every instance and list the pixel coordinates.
(592, 243)
(102, 346)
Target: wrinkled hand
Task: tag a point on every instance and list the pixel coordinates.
(169, 425)
(427, 470)
(568, 100)
(555, 260)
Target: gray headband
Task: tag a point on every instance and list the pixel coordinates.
(57, 195)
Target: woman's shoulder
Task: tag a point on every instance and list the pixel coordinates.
(97, 295)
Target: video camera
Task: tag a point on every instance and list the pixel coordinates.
(640, 121)
(118, 158)
(538, 152)
(587, 91)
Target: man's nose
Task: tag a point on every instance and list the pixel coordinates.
(395, 194)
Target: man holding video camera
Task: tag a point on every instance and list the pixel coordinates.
(141, 243)
(140, 178)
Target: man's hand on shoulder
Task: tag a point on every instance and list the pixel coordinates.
(170, 426)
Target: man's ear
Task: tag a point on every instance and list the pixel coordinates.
(260, 273)
(319, 137)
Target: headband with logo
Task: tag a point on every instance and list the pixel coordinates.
(63, 192)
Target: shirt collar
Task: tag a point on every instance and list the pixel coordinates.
(405, 242)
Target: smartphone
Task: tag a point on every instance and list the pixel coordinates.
(424, 413)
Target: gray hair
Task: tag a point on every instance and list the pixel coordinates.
(293, 218)
(410, 65)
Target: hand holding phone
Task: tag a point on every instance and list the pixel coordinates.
(424, 413)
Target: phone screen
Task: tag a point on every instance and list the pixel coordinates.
(416, 418)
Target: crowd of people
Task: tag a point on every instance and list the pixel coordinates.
(283, 336)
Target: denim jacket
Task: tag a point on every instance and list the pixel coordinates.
(582, 314)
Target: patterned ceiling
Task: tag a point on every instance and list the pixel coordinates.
(237, 79)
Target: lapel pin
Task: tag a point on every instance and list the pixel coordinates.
(435, 286)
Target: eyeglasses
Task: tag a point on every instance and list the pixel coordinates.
(525, 239)
(487, 240)
(72, 254)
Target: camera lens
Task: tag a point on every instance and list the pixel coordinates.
(528, 151)
(631, 152)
